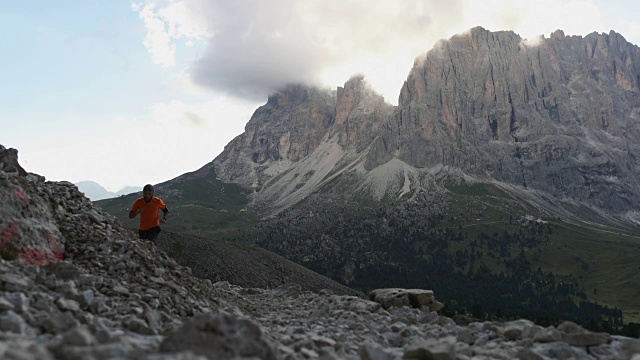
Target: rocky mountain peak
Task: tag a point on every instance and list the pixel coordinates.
(558, 35)
(291, 94)
(291, 124)
(349, 96)
(287, 128)
(295, 121)
(360, 112)
(555, 114)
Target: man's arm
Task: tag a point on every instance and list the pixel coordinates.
(133, 214)
(165, 213)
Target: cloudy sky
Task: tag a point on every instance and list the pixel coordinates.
(128, 93)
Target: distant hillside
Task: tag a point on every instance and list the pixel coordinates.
(128, 190)
(95, 191)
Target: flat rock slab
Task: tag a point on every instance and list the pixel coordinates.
(397, 297)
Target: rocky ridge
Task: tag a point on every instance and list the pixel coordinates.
(559, 115)
(91, 290)
(556, 115)
(301, 138)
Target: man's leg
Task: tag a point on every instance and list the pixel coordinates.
(153, 234)
(148, 235)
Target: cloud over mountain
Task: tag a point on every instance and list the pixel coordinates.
(249, 49)
(254, 48)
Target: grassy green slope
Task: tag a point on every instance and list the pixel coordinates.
(603, 258)
(605, 261)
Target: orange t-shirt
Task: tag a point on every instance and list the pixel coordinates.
(151, 209)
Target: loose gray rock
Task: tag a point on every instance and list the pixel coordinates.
(220, 336)
(13, 323)
(80, 336)
(432, 349)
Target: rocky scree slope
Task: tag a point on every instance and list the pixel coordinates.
(92, 291)
(218, 260)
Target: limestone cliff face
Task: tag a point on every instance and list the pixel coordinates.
(288, 127)
(306, 131)
(561, 115)
(360, 113)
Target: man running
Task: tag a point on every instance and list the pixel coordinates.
(149, 206)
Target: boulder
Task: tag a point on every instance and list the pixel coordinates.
(220, 336)
(9, 161)
(396, 297)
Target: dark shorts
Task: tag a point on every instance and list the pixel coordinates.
(150, 234)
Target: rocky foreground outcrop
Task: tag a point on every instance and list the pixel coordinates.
(91, 290)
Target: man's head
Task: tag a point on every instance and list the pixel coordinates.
(147, 192)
